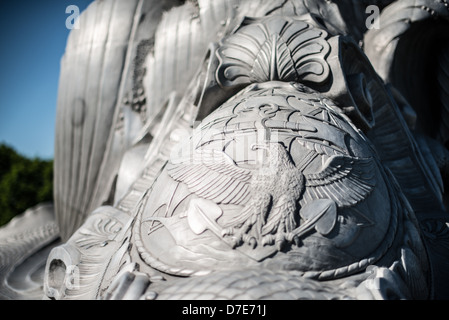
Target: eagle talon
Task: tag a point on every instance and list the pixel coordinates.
(268, 240)
(251, 241)
(235, 242)
(238, 238)
(293, 238)
(228, 232)
(280, 240)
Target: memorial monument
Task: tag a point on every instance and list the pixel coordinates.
(225, 149)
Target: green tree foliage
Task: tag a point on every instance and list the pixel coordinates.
(24, 183)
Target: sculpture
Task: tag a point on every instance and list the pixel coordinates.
(230, 149)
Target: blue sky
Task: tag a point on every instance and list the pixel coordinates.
(33, 36)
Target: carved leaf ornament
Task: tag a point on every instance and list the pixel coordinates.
(275, 49)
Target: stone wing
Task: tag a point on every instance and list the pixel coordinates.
(212, 175)
(345, 180)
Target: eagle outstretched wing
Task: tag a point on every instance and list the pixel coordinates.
(212, 175)
(345, 180)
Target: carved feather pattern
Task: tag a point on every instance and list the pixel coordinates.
(276, 48)
(212, 175)
(96, 73)
(273, 61)
(279, 215)
(345, 180)
(103, 231)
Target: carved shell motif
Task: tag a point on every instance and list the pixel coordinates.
(276, 48)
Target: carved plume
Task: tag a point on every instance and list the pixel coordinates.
(277, 48)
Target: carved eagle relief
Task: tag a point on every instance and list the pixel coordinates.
(275, 195)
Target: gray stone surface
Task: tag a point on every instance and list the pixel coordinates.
(247, 150)
(25, 243)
